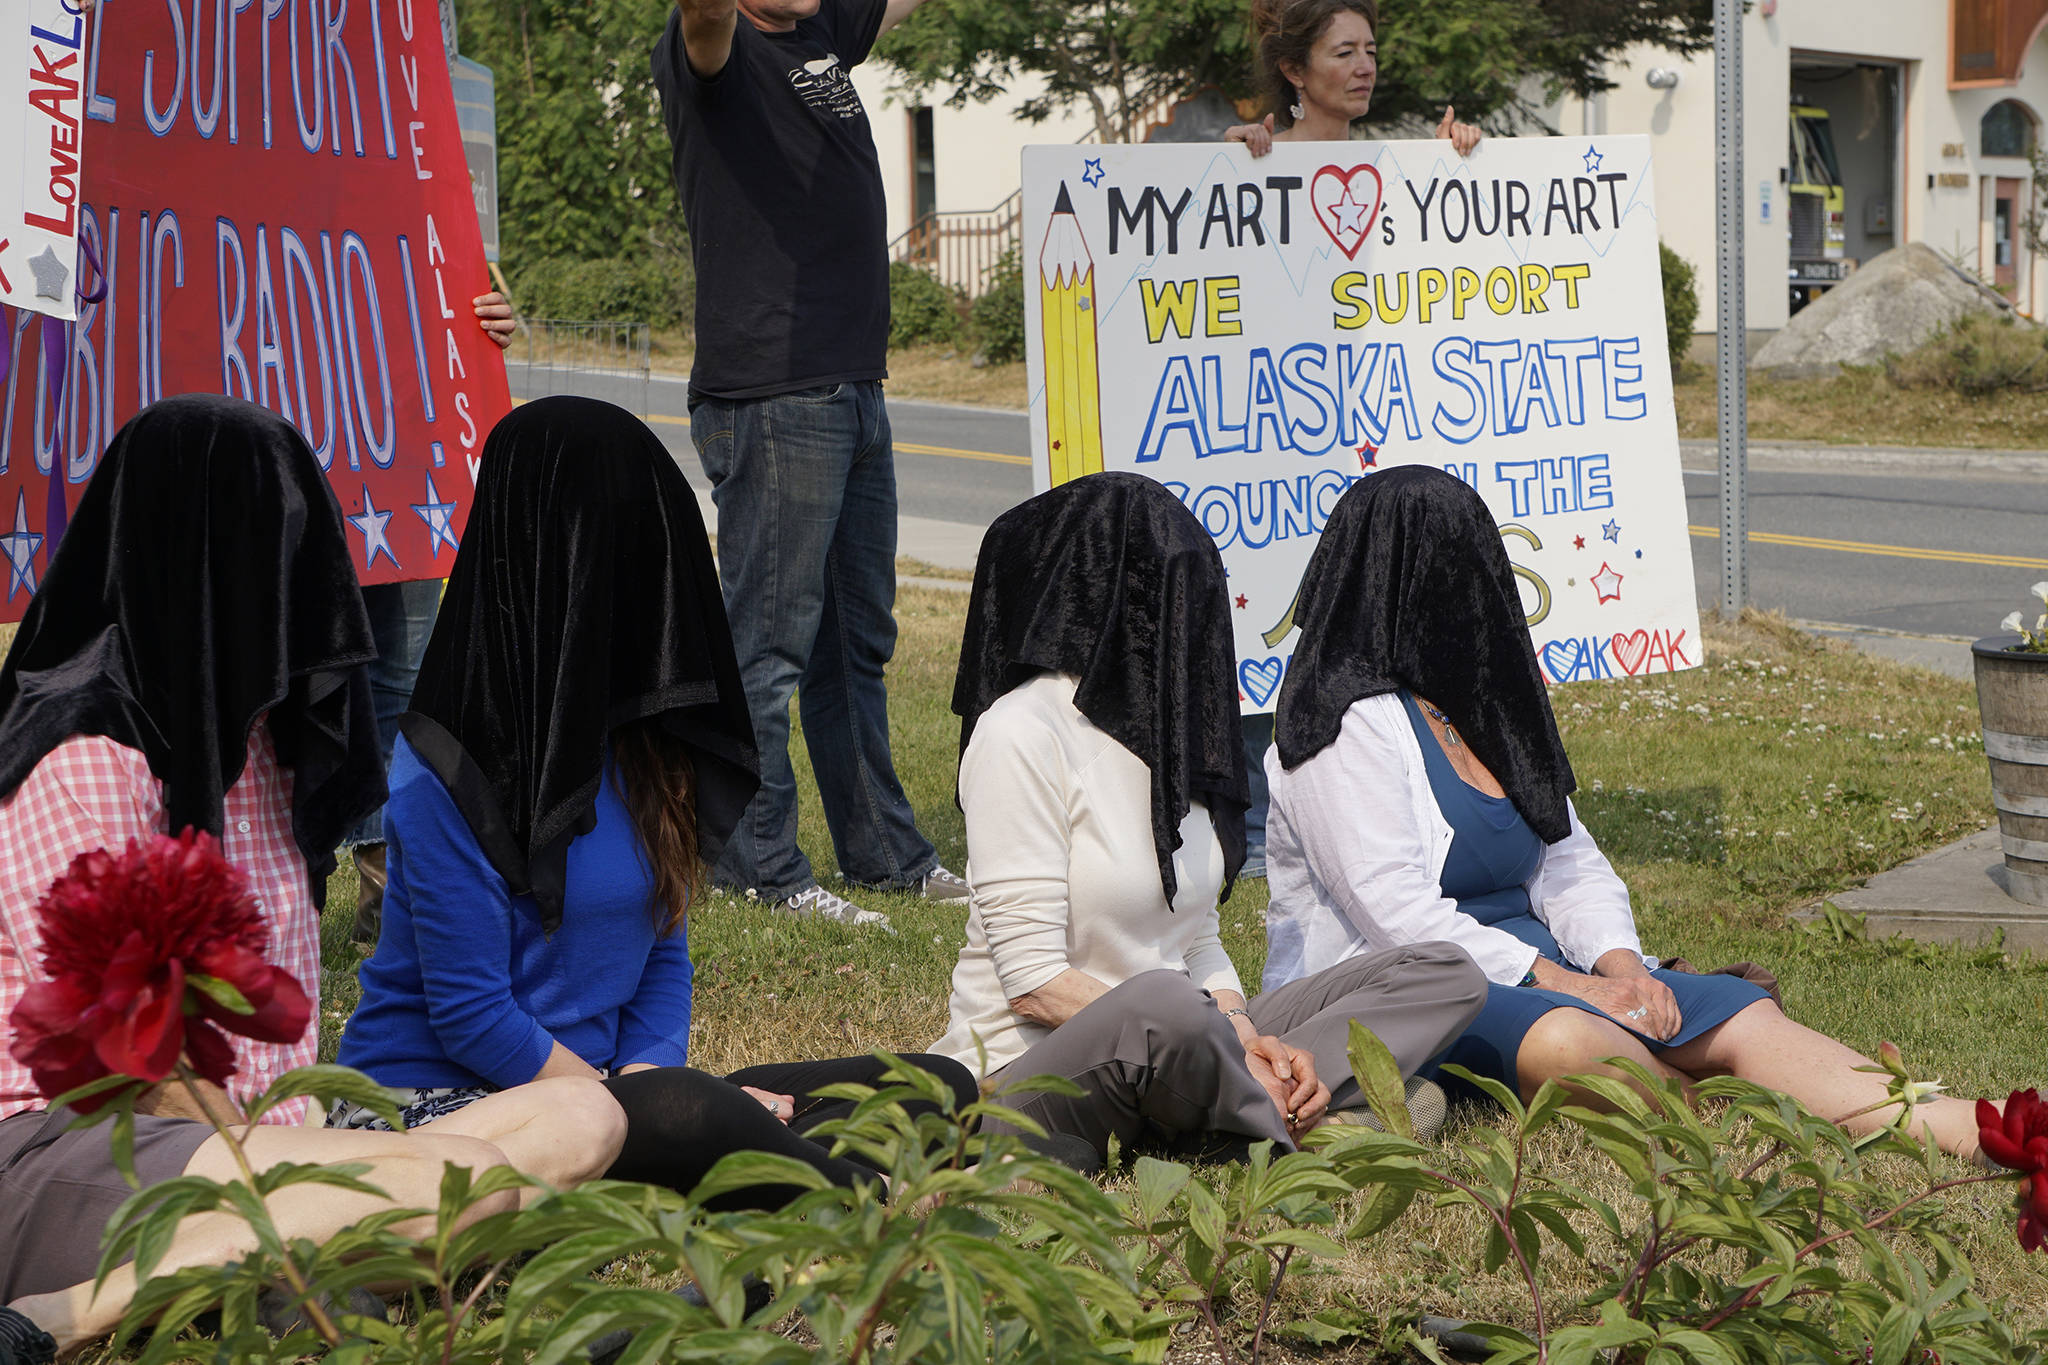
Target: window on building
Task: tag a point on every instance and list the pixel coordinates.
(924, 166)
(2007, 130)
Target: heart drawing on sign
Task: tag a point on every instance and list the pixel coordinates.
(1345, 206)
(1261, 678)
(1562, 659)
(1632, 652)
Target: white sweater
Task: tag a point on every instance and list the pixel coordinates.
(1064, 873)
(1355, 850)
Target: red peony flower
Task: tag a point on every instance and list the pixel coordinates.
(149, 954)
(2017, 1139)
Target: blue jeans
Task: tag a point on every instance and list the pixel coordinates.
(1258, 734)
(806, 490)
(401, 618)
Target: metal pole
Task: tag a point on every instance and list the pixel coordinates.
(1730, 312)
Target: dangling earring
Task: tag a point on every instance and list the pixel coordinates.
(1294, 110)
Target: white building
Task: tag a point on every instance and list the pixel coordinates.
(1933, 106)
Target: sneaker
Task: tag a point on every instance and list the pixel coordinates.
(943, 886)
(22, 1342)
(816, 901)
(1428, 1106)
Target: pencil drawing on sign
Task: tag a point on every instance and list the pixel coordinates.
(1066, 296)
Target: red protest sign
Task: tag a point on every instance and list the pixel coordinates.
(277, 200)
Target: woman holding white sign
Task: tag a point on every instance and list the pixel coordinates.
(1421, 793)
(1104, 793)
(1320, 60)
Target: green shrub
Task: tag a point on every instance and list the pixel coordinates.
(921, 309)
(1681, 305)
(1983, 353)
(999, 313)
(654, 286)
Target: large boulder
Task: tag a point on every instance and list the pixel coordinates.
(1893, 303)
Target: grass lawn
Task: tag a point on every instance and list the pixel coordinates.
(1781, 771)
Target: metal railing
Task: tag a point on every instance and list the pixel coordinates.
(963, 249)
(609, 360)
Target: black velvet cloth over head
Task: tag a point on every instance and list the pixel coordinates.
(1411, 588)
(204, 581)
(1110, 579)
(583, 598)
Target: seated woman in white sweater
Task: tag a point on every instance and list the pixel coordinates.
(1104, 788)
(1421, 792)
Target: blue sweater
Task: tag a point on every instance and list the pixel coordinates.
(465, 990)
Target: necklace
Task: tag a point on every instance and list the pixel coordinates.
(1450, 730)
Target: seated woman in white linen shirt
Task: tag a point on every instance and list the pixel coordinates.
(1104, 789)
(1421, 792)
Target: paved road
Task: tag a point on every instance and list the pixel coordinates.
(1881, 550)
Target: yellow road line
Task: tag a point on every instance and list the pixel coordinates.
(1859, 547)
(913, 448)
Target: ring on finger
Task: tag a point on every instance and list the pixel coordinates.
(1636, 1013)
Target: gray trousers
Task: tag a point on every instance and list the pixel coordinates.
(1159, 1063)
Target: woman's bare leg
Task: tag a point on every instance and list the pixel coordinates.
(407, 1167)
(1570, 1042)
(1760, 1044)
(561, 1132)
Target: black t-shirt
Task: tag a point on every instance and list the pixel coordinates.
(782, 190)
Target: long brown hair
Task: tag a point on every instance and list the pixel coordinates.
(1287, 32)
(658, 786)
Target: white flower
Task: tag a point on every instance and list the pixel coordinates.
(2040, 590)
(2010, 623)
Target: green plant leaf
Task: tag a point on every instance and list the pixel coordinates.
(1379, 1080)
(1159, 1184)
(220, 992)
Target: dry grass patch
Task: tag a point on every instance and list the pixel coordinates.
(1864, 407)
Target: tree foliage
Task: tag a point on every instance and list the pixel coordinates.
(583, 156)
(1119, 59)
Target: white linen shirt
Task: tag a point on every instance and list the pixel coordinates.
(1064, 872)
(1355, 850)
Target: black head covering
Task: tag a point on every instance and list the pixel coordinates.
(204, 581)
(1411, 588)
(1109, 578)
(583, 598)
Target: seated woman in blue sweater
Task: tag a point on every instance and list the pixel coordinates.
(577, 751)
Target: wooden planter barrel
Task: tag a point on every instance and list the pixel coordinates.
(2012, 697)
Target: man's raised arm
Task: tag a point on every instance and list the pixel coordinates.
(898, 11)
(707, 32)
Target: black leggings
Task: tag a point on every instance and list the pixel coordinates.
(680, 1121)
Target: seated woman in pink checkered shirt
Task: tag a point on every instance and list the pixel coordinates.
(195, 658)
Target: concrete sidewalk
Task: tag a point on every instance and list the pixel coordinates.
(1956, 894)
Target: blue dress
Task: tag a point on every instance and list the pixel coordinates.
(1493, 854)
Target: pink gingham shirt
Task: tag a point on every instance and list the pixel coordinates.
(91, 793)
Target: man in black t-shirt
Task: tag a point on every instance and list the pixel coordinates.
(782, 190)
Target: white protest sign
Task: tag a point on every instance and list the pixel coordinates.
(43, 59)
(1260, 334)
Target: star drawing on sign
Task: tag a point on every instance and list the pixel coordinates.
(1368, 456)
(51, 274)
(1093, 174)
(20, 546)
(1350, 213)
(439, 517)
(1592, 160)
(371, 523)
(1607, 583)
(1578, 542)
(1242, 602)
(1611, 531)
